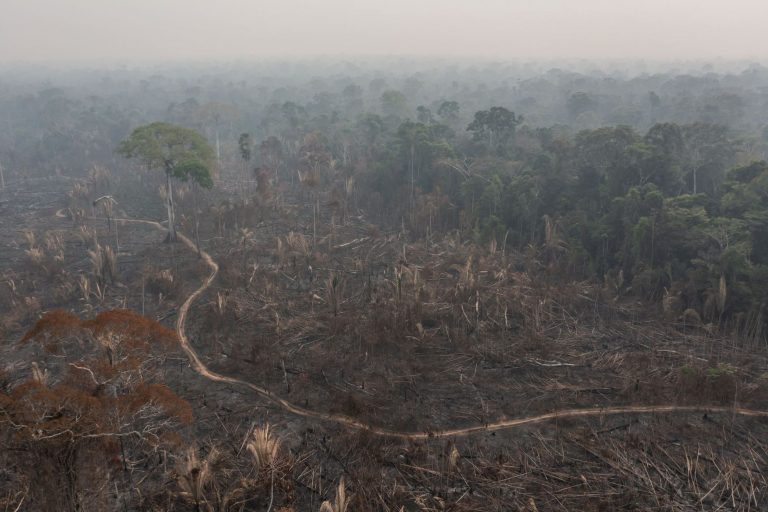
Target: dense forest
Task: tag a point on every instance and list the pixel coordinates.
(341, 285)
(651, 183)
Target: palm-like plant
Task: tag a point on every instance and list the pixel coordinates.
(264, 447)
(340, 504)
(194, 475)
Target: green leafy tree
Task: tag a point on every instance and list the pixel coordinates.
(180, 152)
(708, 152)
(424, 115)
(394, 104)
(602, 165)
(245, 144)
(419, 146)
(746, 197)
(495, 126)
(448, 112)
(580, 103)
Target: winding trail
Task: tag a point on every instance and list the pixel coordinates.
(349, 422)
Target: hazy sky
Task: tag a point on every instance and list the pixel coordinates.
(50, 30)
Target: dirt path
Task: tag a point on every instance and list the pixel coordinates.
(349, 422)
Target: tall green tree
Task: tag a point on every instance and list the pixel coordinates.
(245, 145)
(449, 112)
(394, 104)
(495, 126)
(707, 153)
(180, 152)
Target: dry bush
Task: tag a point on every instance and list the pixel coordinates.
(298, 244)
(86, 235)
(47, 258)
(35, 256)
(9, 293)
(78, 202)
(54, 243)
(162, 283)
(79, 192)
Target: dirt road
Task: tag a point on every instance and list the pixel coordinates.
(200, 367)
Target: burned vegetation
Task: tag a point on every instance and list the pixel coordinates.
(379, 298)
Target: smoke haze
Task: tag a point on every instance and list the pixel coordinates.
(141, 30)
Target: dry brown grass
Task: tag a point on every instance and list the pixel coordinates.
(340, 501)
(264, 447)
(195, 474)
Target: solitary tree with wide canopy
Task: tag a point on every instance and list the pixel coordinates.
(181, 152)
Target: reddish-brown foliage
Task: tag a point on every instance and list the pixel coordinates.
(102, 393)
(54, 323)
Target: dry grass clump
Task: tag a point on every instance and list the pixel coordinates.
(264, 447)
(103, 264)
(79, 192)
(163, 283)
(86, 235)
(47, 257)
(99, 180)
(340, 503)
(298, 242)
(35, 256)
(227, 480)
(195, 474)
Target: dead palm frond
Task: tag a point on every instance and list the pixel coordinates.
(35, 255)
(298, 243)
(349, 185)
(99, 177)
(79, 191)
(264, 446)
(722, 295)
(103, 263)
(333, 291)
(280, 252)
(29, 236)
(38, 375)
(467, 277)
(221, 303)
(244, 236)
(85, 287)
(100, 292)
(110, 263)
(86, 235)
(339, 504)
(53, 242)
(453, 457)
(97, 263)
(194, 474)
(552, 240)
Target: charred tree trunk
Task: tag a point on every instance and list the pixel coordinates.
(170, 207)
